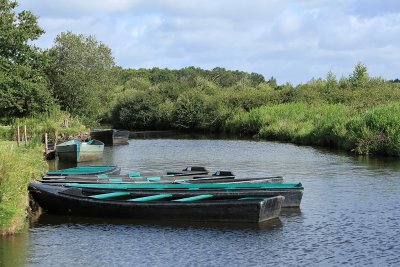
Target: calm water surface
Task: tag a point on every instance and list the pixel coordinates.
(349, 215)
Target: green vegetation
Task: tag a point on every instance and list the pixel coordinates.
(18, 166)
(79, 74)
(358, 113)
(371, 131)
(24, 87)
(76, 81)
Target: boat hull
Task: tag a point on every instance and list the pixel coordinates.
(111, 137)
(80, 151)
(52, 199)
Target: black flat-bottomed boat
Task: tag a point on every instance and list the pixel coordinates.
(158, 206)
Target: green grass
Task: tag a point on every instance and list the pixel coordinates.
(371, 131)
(18, 166)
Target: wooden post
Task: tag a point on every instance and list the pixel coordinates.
(46, 146)
(18, 135)
(26, 137)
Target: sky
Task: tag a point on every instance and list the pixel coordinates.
(291, 40)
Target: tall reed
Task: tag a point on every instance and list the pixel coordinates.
(372, 131)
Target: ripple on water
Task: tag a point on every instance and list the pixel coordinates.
(349, 214)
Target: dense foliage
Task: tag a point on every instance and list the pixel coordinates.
(348, 112)
(77, 75)
(80, 74)
(23, 84)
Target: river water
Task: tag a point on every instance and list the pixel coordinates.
(350, 214)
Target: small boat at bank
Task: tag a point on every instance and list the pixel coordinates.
(111, 137)
(77, 151)
(85, 171)
(158, 206)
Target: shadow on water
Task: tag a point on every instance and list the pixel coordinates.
(47, 219)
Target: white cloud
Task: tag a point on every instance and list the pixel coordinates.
(291, 40)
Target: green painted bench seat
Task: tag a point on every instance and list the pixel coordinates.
(150, 198)
(252, 198)
(153, 179)
(115, 180)
(110, 195)
(195, 198)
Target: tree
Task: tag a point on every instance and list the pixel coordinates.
(79, 72)
(360, 76)
(23, 83)
(331, 82)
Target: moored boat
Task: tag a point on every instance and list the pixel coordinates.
(159, 205)
(77, 151)
(118, 179)
(83, 173)
(188, 175)
(111, 136)
(86, 171)
(293, 192)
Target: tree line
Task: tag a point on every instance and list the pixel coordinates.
(78, 75)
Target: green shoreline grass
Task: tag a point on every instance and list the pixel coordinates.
(371, 131)
(18, 166)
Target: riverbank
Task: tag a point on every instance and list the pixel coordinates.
(18, 166)
(373, 130)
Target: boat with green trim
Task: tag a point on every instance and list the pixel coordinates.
(85, 171)
(158, 206)
(77, 151)
(293, 192)
(151, 177)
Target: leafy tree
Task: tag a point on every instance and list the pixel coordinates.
(331, 82)
(23, 83)
(360, 76)
(80, 74)
(272, 82)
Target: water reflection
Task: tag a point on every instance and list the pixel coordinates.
(46, 220)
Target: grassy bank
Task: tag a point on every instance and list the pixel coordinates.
(18, 166)
(369, 131)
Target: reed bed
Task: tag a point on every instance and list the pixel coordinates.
(370, 131)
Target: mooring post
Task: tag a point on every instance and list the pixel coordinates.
(46, 146)
(17, 135)
(25, 136)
